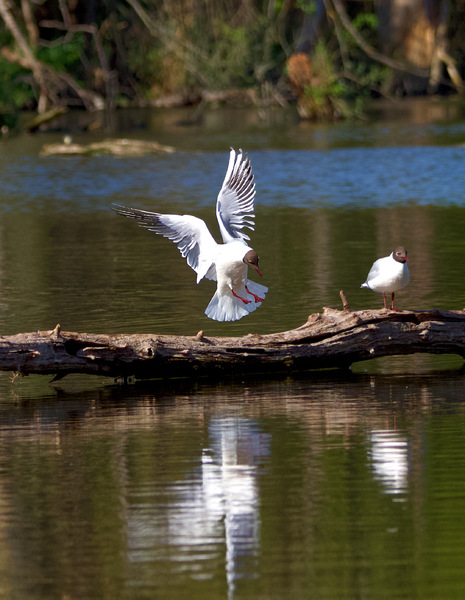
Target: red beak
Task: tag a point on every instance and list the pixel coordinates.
(256, 268)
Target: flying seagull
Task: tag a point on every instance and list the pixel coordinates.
(227, 264)
(389, 274)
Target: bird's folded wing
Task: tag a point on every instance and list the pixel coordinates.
(376, 269)
(234, 205)
(191, 235)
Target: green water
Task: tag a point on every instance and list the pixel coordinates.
(326, 485)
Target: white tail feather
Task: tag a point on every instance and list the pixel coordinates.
(226, 307)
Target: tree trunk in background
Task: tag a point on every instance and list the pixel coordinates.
(406, 28)
(415, 30)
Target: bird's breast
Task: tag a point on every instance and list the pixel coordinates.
(231, 270)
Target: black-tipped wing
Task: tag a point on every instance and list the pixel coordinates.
(234, 205)
(190, 234)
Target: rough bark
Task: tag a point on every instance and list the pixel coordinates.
(332, 339)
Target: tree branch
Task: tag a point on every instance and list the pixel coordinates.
(369, 50)
(158, 31)
(441, 55)
(108, 75)
(34, 64)
(56, 79)
(31, 26)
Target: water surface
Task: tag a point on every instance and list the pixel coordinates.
(325, 485)
(329, 486)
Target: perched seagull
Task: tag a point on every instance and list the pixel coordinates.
(389, 274)
(227, 263)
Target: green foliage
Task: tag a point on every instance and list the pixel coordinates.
(144, 65)
(15, 92)
(64, 56)
(15, 89)
(231, 62)
(224, 55)
(308, 7)
(323, 98)
(217, 44)
(369, 73)
(367, 21)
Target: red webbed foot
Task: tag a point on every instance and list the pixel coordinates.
(241, 298)
(256, 298)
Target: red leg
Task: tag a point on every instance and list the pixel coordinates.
(240, 297)
(392, 305)
(384, 298)
(256, 298)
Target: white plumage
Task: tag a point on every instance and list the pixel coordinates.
(389, 274)
(226, 263)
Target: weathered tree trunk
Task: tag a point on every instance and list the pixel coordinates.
(332, 339)
(418, 31)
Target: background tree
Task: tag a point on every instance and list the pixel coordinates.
(114, 52)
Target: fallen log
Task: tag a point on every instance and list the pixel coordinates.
(114, 147)
(331, 339)
(35, 123)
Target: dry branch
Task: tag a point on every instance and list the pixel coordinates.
(55, 81)
(109, 76)
(332, 339)
(369, 50)
(27, 54)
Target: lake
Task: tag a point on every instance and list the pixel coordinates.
(323, 485)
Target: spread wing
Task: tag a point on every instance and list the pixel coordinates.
(191, 235)
(234, 205)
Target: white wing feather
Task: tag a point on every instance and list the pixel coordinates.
(376, 269)
(191, 235)
(235, 202)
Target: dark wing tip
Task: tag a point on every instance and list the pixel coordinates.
(122, 210)
(144, 217)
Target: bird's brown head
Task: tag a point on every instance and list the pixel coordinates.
(251, 259)
(400, 254)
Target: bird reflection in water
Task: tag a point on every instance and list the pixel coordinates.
(229, 473)
(389, 458)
